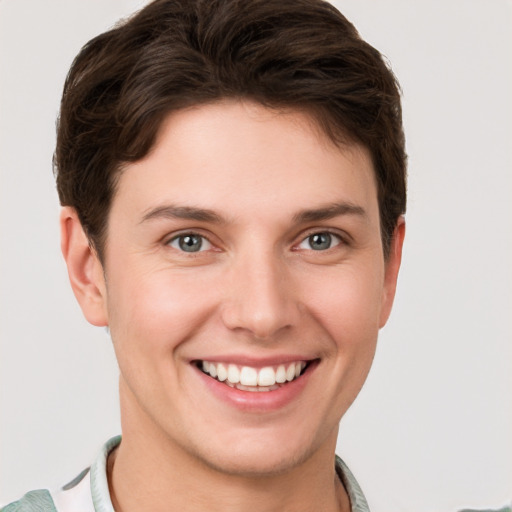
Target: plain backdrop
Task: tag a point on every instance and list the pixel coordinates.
(432, 428)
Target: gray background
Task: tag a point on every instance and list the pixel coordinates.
(432, 429)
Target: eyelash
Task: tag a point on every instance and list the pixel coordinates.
(334, 238)
(204, 240)
(182, 236)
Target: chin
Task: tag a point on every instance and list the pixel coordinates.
(261, 456)
(259, 464)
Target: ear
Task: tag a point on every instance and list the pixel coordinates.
(84, 268)
(392, 266)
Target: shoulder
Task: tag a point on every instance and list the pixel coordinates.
(34, 501)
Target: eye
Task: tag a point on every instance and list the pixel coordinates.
(320, 241)
(190, 242)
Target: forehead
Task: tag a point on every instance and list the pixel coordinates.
(242, 158)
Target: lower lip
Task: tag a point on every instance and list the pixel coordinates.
(258, 401)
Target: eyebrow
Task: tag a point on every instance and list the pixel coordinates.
(205, 215)
(329, 212)
(183, 212)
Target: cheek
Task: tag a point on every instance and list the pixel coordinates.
(348, 304)
(347, 307)
(151, 315)
(154, 311)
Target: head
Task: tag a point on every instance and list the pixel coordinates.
(233, 176)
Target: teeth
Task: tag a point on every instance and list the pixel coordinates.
(281, 374)
(256, 388)
(266, 376)
(233, 374)
(248, 378)
(222, 373)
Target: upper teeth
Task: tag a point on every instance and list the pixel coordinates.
(249, 376)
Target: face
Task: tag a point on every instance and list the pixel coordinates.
(245, 286)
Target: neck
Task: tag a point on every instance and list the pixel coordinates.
(149, 471)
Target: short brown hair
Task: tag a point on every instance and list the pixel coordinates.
(298, 54)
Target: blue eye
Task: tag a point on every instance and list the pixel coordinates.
(190, 242)
(320, 241)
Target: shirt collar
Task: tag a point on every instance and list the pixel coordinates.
(99, 481)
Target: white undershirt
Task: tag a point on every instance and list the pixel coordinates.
(76, 499)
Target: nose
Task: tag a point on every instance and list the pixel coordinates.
(261, 298)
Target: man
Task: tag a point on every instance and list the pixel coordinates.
(232, 176)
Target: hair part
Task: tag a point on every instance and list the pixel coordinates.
(301, 55)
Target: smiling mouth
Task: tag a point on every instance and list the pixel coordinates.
(248, 378)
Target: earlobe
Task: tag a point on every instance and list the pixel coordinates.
(392, 267)
(84, 268)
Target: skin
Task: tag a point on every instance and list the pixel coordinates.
(257, 290)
